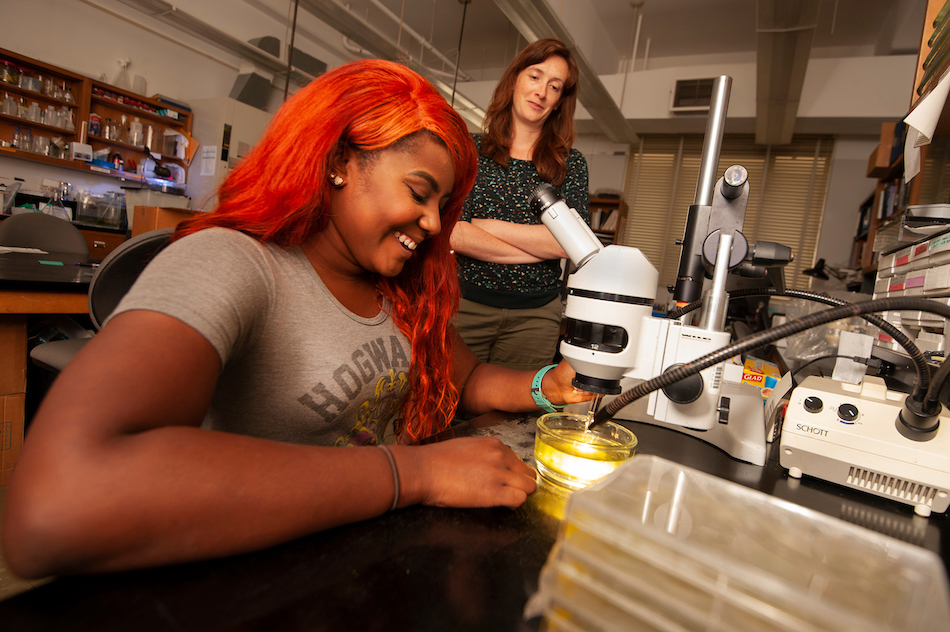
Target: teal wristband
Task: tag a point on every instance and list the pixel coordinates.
(538, 396)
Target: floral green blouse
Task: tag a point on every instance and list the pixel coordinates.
(501, 193)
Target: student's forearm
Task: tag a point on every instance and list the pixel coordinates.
(492, 387)
(180, 493)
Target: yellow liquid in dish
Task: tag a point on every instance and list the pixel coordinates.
(576, 458)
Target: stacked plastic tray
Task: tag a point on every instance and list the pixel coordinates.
(658, 546)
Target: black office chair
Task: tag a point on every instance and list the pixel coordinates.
(39, 230)
(114, 277)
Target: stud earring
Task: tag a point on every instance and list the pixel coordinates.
(336, 180)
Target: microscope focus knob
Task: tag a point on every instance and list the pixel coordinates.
(733, 180)
(685, 391)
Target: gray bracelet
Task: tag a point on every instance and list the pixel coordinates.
(392, 463)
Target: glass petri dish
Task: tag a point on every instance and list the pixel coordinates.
(571, 457)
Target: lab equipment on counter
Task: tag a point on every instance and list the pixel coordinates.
(80, 151)
(665, 372)
(103, 209)
(9, 194)
(613, 341)
(851, 435)
(659, 546)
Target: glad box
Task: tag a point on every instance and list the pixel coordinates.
(762, 374)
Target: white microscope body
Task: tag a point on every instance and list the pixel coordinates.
(613, 342)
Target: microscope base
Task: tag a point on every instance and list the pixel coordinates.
(743, 437)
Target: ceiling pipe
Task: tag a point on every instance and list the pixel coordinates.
(419, 38)
(366, 36)
(187, 23)
(632, 60)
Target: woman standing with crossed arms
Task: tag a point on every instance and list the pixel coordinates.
(509, 263)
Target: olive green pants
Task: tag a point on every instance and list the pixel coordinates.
(523, 339)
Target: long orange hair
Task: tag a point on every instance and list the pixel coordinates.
(280, 193)
(557, 134)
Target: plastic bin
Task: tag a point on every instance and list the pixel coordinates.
(102, 210)
(658, 546)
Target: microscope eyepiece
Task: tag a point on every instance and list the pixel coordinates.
(543, 196)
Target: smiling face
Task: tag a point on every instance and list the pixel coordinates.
(538, 91)
(389, 204)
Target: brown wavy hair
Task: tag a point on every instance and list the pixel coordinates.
(557, 134)
(280, 193)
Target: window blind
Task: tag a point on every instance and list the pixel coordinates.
(787, 191)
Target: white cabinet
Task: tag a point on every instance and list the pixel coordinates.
(226, 130)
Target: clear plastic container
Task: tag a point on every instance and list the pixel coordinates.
(659, 546)
(101, 209)
(136, 136)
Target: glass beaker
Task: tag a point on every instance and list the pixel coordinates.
(9, 73)
(66, 119)
(50, 116)
(9, 105)
(33, 113)
(135, 132)
(571, 457)
(110, 130)
(41, 145)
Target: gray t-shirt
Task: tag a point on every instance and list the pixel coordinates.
(297, 366)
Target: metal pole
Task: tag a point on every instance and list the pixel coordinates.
(712, 144)
(716, 302)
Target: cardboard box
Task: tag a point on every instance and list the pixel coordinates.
(148, 218)
(762, 374)
(12, 411)
(13, 356)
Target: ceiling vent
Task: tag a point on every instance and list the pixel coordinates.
(692, 95)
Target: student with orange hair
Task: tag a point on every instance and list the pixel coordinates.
(311, 309)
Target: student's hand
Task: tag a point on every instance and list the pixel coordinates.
(557, 387)
(467, 472)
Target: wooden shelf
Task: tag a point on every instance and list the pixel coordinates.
(134, 111)
(140, 149)
(613, 211)
(39, 97)
(19, 122)
(891, 193)
(107, 102)
(70, 164)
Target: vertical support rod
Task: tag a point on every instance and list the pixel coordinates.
(712, 144)
(717, 300)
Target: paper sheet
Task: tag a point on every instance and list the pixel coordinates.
(921, 123)
(855, 345)
(209, 154)
(37, 251)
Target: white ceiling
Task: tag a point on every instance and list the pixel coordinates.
(775, 37)
(674, 28)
